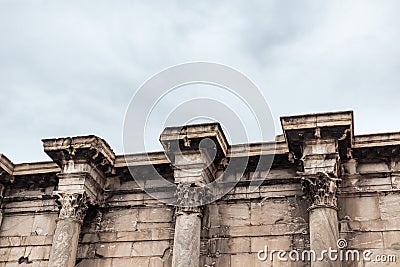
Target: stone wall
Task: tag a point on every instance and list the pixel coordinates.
(124, 226)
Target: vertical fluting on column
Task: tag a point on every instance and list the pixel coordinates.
(73, 208)
(321, 191)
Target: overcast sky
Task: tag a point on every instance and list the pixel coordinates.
(71, 67)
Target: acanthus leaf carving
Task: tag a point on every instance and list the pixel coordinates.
(72, 205)
(321, 190)
(191, 198)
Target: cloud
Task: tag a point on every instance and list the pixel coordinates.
(71, 67)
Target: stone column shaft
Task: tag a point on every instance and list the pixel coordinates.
(84, 161)
(68, 227)
(323, 220)
(187, 239)
(194, 152)
(324, 233)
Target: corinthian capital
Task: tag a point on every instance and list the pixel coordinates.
(73, 205)
(190, 199)
(321, 190)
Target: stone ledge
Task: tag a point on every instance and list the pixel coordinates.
(6, 165)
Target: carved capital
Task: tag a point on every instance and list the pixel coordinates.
(190, 199)
(321, 190)
(72, 205)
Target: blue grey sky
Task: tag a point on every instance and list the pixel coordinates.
(71, 67)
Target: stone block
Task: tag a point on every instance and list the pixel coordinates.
(235, 214)
(136, 261)
(44, 224)
(156, 262)
(11, 241)
(359, 208)
(36, 240)
(390, 206)
(149, 248)
(121, 220)
(223, 260)
(15, 253)
(86, 251)
(17, 225)
(99, 237)
(4, 252)
(96, 263)
(153, 214)
(37, 252)
(241, 244)
(274, 211)
(364, 168)
(232, 245)
(114, 250)
(243, 259)
(268, 230)
(366, 240)
(272, 242)
(391, 240)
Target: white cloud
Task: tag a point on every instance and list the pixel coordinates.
(71, 67)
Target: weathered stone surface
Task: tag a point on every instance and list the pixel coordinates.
(124, 226)
(366, 240)
(324, 232)
(391, 240)
(97, 263)
(114, 250)
(356, 208)
(187, 240)
(161, 214)
(18, 225)
(150, 248)
(270, 211)
(235, 215)
(123, 220)
(65, 243)
(272, 242)
(390, 206)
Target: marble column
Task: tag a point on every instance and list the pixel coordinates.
(68, 226)
(187, 237)
(324, 230)
(195, 153)
(188, 225)
(85, 162)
